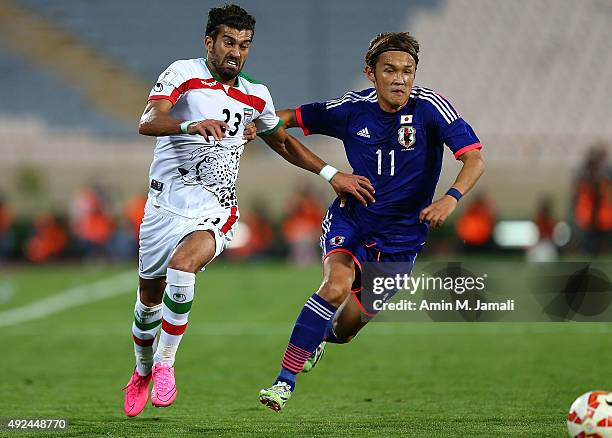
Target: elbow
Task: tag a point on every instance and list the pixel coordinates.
(480, 165)
(474, 160)
(145, 125)
(144, 128)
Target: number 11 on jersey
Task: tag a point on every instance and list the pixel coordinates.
(379, 152)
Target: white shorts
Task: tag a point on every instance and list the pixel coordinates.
(161, 231)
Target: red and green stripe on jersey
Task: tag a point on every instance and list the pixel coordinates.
(253, 101)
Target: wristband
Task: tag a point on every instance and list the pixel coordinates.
(185, 125)
(328, 172)
(454, 193)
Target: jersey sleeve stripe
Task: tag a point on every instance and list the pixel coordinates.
(464, 149)
(344, 96)
(443, 102)
(448, 116)
(442, 112)
(438, 98)
(300, 121)
(351, 94)
(170, 98)
(181, 89)
(350, 99)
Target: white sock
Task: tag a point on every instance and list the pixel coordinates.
(147, 322)
(176, 304)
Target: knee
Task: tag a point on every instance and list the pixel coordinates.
(151, 291)
(151, 296)
(333, 292)
(181, 262)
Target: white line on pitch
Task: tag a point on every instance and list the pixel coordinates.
(72, 297)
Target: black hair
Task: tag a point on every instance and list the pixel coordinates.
(388, 41)
(229, 15)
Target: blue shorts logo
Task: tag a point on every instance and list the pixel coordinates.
(336, 241)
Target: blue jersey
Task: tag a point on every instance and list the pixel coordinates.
(400, 153)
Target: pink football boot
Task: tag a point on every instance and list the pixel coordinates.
(164, 388)
(136, 394)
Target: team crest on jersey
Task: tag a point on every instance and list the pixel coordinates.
(248, 116)
(336, 241)
(406, 135)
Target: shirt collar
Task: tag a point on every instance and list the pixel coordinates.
(217, 78)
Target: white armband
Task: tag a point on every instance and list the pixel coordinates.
(185, 125)
(328, 172)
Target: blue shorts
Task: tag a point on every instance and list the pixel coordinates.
(340, 233)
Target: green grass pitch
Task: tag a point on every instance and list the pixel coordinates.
(411, 380)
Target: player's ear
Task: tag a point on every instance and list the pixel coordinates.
(369, 72)
(209, 42)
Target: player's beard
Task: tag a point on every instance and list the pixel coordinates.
(224, 73)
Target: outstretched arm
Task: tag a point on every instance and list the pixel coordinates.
(440, 210)
(289, 118)
(157, 121)
(299, 155)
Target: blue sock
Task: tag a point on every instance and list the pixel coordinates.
(307, 334)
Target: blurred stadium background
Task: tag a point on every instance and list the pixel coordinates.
(532, 76)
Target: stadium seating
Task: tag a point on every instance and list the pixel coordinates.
(532, 77)
(287, 50)
(36, 94)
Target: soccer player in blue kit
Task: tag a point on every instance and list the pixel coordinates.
(394, 135)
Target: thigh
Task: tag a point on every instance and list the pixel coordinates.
(159, 235)
(338, 276)
(186, 243)
(194, 251)
(341, 236)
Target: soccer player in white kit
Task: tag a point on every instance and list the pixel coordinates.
(198, 110)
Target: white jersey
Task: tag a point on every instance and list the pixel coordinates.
(192, 175)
